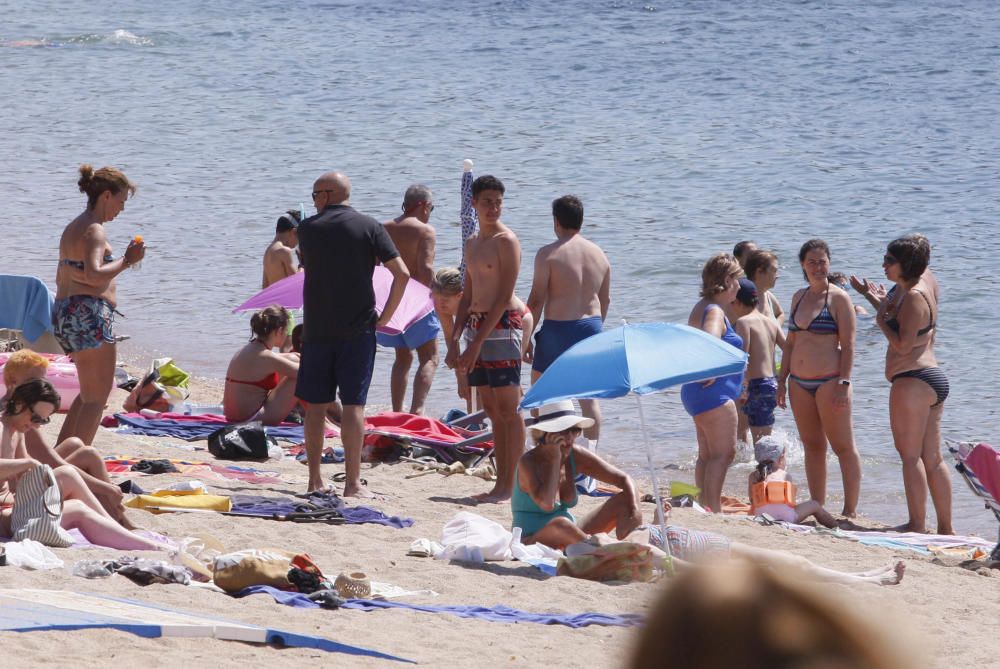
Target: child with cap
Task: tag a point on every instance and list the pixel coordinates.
(773, 494)
(761, 335)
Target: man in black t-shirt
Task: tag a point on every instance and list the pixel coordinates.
(340, 248)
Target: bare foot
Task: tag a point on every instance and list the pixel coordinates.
(945, 529)
(849, 513)
(909, 527)
(490, 498)
(895, 575)
(359, 491)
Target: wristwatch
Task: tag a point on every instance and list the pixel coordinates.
(844, 382)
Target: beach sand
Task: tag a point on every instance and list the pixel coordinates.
(940, 612)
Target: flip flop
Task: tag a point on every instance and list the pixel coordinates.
(341, 477)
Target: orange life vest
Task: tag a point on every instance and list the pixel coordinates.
(771, 492)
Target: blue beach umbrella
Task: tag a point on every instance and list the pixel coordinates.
(639, 360)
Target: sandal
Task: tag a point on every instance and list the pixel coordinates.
(341, 477)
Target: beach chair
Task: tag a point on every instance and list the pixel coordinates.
(979, 465)
(447, 442)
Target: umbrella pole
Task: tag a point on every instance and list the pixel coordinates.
(652, 475)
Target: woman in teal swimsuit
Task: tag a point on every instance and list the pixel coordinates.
(818, 358)
(545, 485)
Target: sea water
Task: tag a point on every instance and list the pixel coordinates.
(685, 126)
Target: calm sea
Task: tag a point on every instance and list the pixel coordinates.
(685, 126)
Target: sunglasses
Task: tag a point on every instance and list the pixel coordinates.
(317, 192)
(571, 430)
(39, 420)
(889, 260)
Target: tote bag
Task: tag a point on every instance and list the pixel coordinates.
(37, 511)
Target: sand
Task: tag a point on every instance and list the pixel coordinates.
(941, 611)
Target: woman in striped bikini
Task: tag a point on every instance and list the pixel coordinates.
(818, 358)
(907, 317)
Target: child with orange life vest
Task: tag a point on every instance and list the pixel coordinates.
(772, 493)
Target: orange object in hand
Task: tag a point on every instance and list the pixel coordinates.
(137, 239)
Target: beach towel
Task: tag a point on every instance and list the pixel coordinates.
(181, 499)
(196, 427)
(25, 305)
(422, 428)
(269, 507)
(123, 465)
(499, 614)
(984, 460)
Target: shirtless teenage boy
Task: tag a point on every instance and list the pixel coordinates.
(279, 257)
(572, 283)
(490, 322)
(415, 239)
(760, 335)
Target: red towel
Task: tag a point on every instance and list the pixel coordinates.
(408, 424)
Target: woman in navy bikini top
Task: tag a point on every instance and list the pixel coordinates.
(818, 358)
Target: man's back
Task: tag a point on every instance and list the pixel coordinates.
(578, 272)
(760, 334)
(415, 241)
(279, 262)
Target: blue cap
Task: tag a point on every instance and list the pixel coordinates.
(747, 293)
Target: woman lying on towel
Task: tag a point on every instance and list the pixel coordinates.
(260, 383)
(30, 405)
(545, 490)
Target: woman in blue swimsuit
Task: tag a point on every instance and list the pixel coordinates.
(818, 358)
(712, 403)
(545, 485)
(86, 301)
(908, 319)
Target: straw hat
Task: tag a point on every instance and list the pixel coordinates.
(559, 416)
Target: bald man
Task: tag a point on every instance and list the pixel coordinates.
(340, 248)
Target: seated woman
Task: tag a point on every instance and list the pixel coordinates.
(260, 384)
(545, 486)
(31, 404)
(25, 365)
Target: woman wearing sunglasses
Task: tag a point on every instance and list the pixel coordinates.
(31, 405)
(545, 486)
(907, 316)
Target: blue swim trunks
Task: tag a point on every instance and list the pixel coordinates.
(556, 337)
(762, 397)
(82, 322)
(418, 334)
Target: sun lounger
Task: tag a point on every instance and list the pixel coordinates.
(979, 465)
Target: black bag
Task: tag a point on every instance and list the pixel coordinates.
(241, 442)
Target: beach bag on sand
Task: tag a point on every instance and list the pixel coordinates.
(37, 511)
(163, 388)
(248, 441)
(619, 563)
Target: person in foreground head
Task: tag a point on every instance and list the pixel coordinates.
(907, 317)
(545, 486)
(86, 296)
(260, 383)
(819, 359)
(491, 323)
(712, 404)
(340, 247)
(772, 493)
(27, 407)
(415, 240)
(280, 260)
(753, 617)
(572, 286)
(25, 365)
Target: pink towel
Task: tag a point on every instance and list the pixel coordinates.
(984, 460)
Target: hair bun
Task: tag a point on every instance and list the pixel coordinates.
(86, 174)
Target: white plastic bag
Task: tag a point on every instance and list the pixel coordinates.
(31, 555)
(471, 537)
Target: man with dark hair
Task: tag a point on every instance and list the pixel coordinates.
(572, 285)
(279, 258)
(340, 247)
(415, 239)
(742, 251)
(489, 320)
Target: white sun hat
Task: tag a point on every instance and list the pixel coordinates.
(559, 416)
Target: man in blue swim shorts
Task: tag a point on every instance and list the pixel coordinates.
(414, 238)
(572, 285)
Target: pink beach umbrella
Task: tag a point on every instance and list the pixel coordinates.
(416, 302)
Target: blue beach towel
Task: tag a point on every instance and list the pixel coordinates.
(190, 430)
(266, 507)
(25, 305)
(497, 614)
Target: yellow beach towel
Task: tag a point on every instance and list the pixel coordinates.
(183, 499)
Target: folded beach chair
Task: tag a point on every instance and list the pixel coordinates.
(979, 465)
(447, 442)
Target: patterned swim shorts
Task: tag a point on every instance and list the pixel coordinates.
(499, 362)
(762, 397)
(83, 322)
